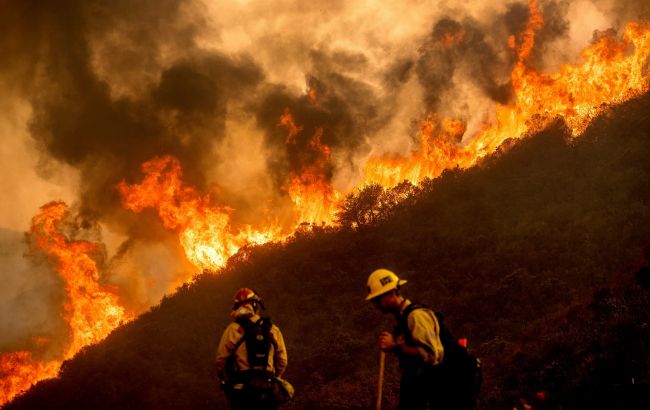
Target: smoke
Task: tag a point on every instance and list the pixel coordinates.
(92, 89)
(30, 293)
(28, 180)
(145, 272)
(620, 12)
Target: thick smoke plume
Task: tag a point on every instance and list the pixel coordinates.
(92, 89)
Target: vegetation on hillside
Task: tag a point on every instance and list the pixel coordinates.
(532, 255)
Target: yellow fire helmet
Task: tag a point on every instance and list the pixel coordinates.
(382, 281)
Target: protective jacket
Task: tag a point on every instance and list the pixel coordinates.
(422, 332)
(277, 359)
(422, 386)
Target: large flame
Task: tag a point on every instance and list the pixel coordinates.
(19, 371)
(91, 310)
(206, 234)
(612, 71)
(310, 190)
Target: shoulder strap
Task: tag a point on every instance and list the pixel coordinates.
(267, 325)
(410, 308)
(230, 361)
(403, 317)
(403, 327)
(244, 322)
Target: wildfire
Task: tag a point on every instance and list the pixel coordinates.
(612, 71)
(314, 198)
(205, 231)
(91, 310)
(19, 370)
(439, 149)
(287, 121)
(450, 38)
(312, 92)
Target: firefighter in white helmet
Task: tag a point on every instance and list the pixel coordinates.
(415, 341)
(251, 355)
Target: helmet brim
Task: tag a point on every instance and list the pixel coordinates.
(257, 301)
(380, 292)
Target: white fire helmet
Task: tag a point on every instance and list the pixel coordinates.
(382, 281)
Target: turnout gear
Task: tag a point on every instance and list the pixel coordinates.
(459, 373)
(250, 356)
(233, 355)
(382, 281)
(421, 330)
(438, 372)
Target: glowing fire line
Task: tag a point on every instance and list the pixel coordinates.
(612, 72)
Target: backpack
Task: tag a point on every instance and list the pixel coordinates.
(257, 336)
(258, 382)
(460, 369)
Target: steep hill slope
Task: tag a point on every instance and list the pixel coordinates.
(531, 255)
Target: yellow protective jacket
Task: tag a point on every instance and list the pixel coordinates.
(277, 362)
(425, 331)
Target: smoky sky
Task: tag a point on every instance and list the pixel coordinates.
(344, 110)
(30, 295)
(437, 63)
(78, 121)
(171, 96)
(112, 84)
(486, 66)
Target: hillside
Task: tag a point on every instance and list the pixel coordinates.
(532, 255)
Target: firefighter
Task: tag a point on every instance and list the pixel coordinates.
(415, 341)
(251, 355)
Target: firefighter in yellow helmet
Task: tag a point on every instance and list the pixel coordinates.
(251, 355)
(415, 341)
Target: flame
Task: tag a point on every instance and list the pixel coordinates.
(312, 93)
(314, 198)
(204, 230)
(312, 90)
(91, 310)
(439, 149)
(19, 370)
(450, 38)
(535, 23)
(512, 42)
(287, 121)
(612, 71)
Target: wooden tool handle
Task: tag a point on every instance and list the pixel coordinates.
(380, 385)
